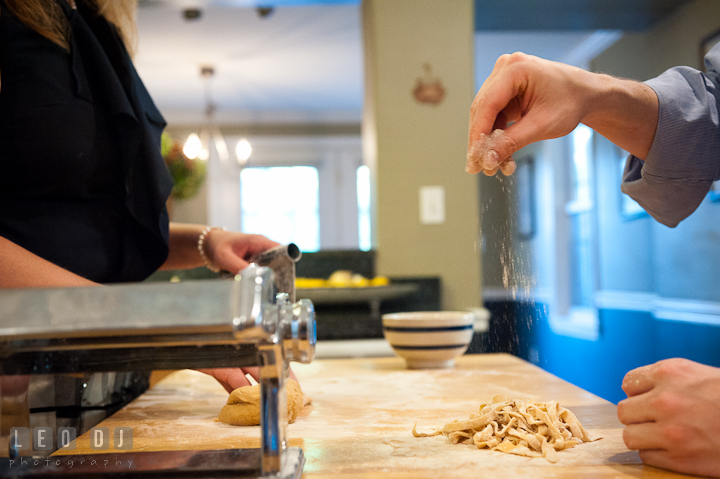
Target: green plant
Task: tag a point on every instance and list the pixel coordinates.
(188, 175)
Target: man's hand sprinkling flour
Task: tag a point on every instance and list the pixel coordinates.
(527, 99)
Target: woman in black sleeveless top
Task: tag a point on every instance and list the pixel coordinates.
(83, 185)
(82, 182)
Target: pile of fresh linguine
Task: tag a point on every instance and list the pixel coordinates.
(515, 427)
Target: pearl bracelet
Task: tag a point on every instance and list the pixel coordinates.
(201, 248)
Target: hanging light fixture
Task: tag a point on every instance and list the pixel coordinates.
(193, 146)
(198, 146)
(243, 150)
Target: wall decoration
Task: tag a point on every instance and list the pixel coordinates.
(429, 89)
(188, 174)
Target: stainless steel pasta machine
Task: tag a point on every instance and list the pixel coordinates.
(249, 320)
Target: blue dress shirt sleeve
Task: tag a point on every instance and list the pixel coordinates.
(684, 158)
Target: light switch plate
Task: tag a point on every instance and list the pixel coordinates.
(432, 205)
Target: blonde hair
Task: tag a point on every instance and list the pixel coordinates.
(48, 19)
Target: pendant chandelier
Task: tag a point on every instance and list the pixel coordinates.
(198, 145)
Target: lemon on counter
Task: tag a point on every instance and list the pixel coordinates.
(309, 283)
(341, 279)
(359, 281)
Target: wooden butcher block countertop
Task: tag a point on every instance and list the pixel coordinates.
(363, 411)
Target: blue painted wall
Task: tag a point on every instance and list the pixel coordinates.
(697, 342)
(628, 340)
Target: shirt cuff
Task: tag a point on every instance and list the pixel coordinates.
(669, 201)
(684, 158)
(686, 144)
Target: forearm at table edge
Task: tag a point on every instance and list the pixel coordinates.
(19, 268)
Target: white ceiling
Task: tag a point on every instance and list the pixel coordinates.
(301, 61)
(300, 64)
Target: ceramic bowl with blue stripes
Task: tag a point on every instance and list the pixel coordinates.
(429, 339)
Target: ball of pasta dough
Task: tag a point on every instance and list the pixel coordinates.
(243, 405)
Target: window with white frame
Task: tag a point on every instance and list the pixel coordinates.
(578, 315)
(364, 213)
(312, 191)
(296, 221)
(580, 212)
